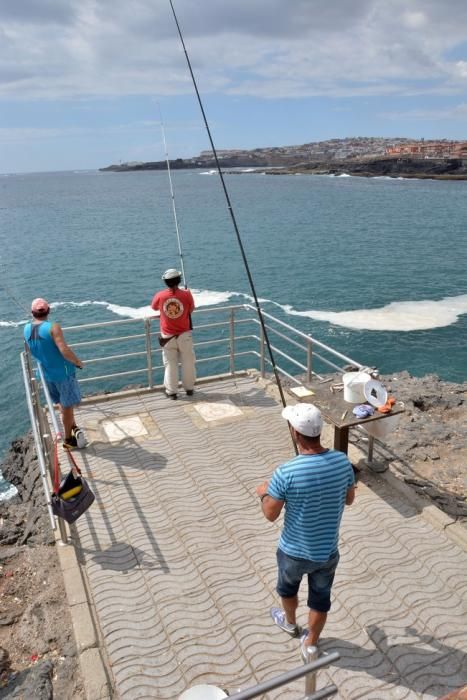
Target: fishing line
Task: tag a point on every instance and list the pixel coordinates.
(10, 294)
(177, 231)
(232, 215)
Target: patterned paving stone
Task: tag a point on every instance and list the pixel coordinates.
(181, 563)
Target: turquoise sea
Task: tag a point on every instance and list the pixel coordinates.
(374, 267)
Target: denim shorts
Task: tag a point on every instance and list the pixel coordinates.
(320, 579)
(66, 393)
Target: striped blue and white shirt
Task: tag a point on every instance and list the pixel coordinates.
(314, 488)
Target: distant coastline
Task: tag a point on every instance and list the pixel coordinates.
(407, 168)
(361, 157)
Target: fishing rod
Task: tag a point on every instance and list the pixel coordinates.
(10, 294)
(232, 215)
(177, 231)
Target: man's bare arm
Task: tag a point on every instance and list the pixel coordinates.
(271, 506)
(67, 352)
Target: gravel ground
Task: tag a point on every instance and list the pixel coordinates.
(38, 657)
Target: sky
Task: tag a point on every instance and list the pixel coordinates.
(86, 83)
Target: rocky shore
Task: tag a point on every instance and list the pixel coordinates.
(380, 166)
(428, 449)
(38, 657)
(407, 168)
(37, 649)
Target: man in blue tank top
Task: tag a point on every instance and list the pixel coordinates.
(314, 487)
(59, 363)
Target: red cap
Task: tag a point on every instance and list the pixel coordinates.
(39, 305)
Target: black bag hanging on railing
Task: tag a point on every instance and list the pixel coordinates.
(71, 496)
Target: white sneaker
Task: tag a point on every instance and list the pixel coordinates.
(80, 437)
(279, 618)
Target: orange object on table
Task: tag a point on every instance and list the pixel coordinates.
(387, 407)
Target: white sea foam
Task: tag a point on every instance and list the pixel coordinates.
(11, 324)
(9, 491)
(130, 311)
(206, 298)
(396, 316)
(209, 172)
(202, 298)
(56, 304)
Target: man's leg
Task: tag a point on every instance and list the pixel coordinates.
(319, 598)
(316, 622)
(187, 357)
(288, 583)
(290, 606)
(170, 357)
(70, 396)
(68, 418)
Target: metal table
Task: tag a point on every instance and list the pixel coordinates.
(337, 411)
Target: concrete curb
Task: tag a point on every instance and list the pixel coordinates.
(93, 670)
(431, 513)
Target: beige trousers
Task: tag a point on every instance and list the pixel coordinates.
(179, 350)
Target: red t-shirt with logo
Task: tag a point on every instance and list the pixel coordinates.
(175, 306)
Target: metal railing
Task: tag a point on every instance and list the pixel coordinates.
(39, 430)
(309, 670)
(230, 341)
(238, 337)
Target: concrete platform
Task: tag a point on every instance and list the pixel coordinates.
(179, 563)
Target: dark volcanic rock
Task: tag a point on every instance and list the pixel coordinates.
(433, 168)
(25, 517)
(37, 684)
(428, 444)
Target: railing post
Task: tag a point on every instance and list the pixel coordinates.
(309, 358)
(44, 430)
(47, 447)
(261, 352)
(26, 371)
(310, 679)
(232, 341)
(147, 331)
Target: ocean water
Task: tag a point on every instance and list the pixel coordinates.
(373, 267)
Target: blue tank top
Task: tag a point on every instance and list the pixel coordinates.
(43, 348)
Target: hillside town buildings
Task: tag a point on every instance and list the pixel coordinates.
(430, 149)
(352, 147)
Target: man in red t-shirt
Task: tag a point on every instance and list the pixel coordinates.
(176, 306)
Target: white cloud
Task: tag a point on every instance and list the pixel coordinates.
(272, 48)
(414, 20)
(461, 67)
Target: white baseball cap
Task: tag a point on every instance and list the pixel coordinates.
(171, 274)
(305, 418)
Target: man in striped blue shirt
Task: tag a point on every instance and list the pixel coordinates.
(314, 487)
